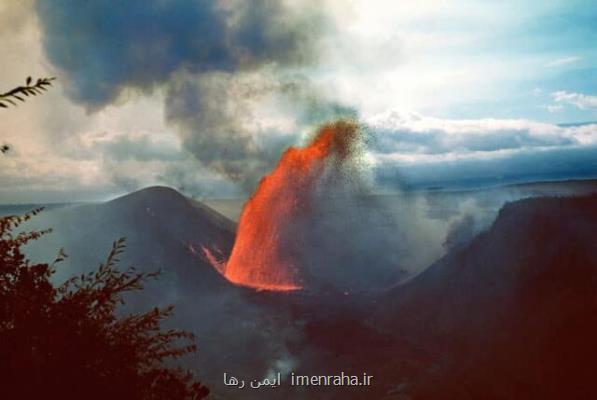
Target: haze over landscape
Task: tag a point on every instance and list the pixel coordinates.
(395, 190)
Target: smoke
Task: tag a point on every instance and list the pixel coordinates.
(106, 48)
(210, 114)
(357, 240)
(219, 64)
(216, 118)
(468, 224)
(314, 222)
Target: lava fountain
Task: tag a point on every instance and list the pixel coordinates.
(267, 251)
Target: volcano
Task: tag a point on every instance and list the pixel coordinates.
(176, 226)
(267, 251)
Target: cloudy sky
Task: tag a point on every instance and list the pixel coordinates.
(203, 95)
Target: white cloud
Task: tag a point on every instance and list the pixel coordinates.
(409, 134)
(562, 61)
(409, 148)
(554, 108)
(582, 101)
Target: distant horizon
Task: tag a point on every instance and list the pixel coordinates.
(413, 189)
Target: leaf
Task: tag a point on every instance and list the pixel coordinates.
(19, 93)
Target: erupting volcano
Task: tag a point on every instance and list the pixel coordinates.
(267, 251)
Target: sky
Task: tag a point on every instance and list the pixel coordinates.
(204, 95)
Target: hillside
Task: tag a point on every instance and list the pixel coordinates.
(164, 230)
(512, 314)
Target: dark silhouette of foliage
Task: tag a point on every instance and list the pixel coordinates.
(68, 342)
(21, 92)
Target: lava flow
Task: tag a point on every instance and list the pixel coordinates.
(267, 251)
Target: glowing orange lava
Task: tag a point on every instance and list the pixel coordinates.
(266, 253)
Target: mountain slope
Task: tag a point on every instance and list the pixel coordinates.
(514, 313)
(511, 314)
(164, 230)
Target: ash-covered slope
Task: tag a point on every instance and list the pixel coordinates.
(163, 229)
(511, 315)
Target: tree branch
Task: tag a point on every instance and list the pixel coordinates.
(19, 93)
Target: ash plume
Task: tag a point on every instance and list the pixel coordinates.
(216, 62)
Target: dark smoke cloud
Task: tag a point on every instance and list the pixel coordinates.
(209, 121)
(214, 60)
(265, 30)
(107, 46)
(212, 112)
